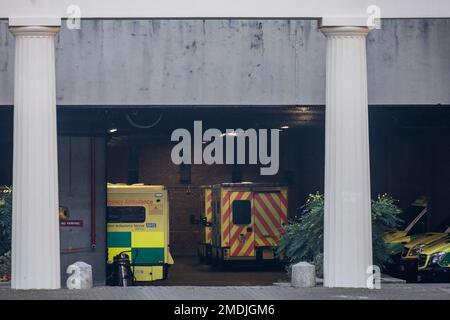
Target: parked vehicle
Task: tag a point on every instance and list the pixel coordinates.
(412, 250)
(205, 222)
(396, 240)
(138, 225)
(434, 260)
(247, 221)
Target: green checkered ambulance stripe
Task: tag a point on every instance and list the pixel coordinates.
(445, 262)
(146, 246)
(119, 240)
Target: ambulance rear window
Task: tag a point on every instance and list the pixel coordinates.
(242, 212)
(126, 214)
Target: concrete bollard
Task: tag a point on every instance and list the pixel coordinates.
(303, 275)
(80, 276)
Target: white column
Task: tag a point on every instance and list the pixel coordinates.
(348, 230)
(35, 231)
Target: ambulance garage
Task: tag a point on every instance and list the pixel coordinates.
(186, 146)
(129, 152)
(204, 237)
(225, 214)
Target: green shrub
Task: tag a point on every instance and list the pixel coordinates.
(5, 220)
(303, 240)
(5, 265)
(385, 218)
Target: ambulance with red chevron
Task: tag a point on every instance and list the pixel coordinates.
(204, 247)
(247, 221)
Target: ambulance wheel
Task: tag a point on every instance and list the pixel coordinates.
(411, 277)
(224, 265)
(215, 260)
(201, 254)
(207, 257)
(220, 263)
(166, 271)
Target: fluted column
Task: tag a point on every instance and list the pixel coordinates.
(35, 231)
(348, 231)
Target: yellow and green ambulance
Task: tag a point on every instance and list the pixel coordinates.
(138, 222)
(396, 240)
(434, 259)
(412, 249)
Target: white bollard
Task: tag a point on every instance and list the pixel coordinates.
(303, 275)
(80, 276)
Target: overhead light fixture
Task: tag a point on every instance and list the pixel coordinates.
(304, 109)
(284, 127)
(112, 130)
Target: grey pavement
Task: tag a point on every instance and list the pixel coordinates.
(387, 292)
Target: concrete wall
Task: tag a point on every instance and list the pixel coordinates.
(226, 62)
(74, 162)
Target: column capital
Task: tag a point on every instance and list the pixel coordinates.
(347, 31)
(34, 31)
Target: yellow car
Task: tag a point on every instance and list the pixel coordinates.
(434, 260)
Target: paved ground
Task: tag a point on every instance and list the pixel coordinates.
(189, 280)
(387, 292)
(188, 272)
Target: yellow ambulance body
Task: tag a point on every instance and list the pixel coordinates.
(138, 221)
(204, 249)
(248, 221)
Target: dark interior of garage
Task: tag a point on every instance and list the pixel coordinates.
(409, 149)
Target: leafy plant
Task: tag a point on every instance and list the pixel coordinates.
(385, 218)
(5, 220)
(5, 266)
(303, 240)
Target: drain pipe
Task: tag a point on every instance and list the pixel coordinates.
(93, 195)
